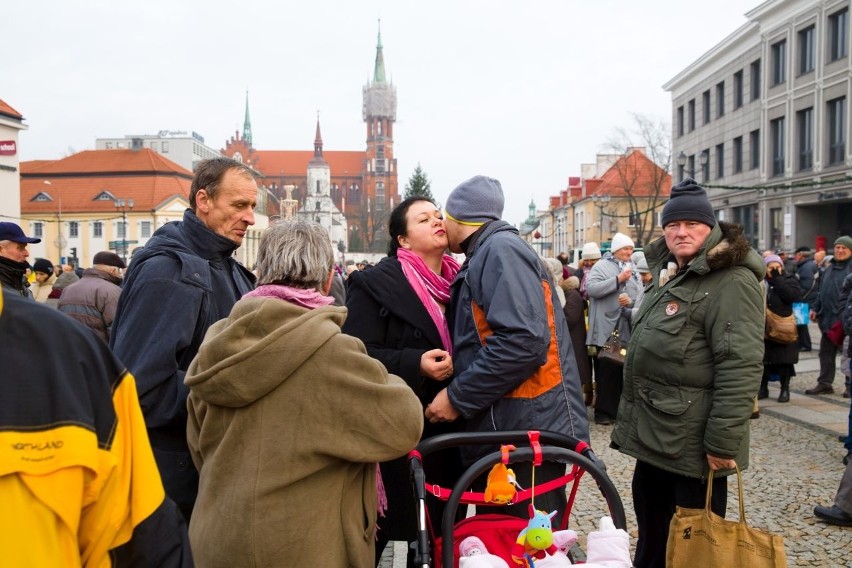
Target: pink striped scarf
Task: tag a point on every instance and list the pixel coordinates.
(431, 288)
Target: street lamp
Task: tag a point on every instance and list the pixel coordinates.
(601, 202)
(682, 159)
(124, 205)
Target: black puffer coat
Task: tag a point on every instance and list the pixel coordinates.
(782, 291)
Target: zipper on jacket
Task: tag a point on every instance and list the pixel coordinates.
(728, 330)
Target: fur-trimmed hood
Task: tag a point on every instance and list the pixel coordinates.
(725, 247)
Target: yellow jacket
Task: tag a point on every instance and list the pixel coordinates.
(78, 481)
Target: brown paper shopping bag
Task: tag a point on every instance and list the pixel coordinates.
(699, 538)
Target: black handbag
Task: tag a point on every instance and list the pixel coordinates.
(612, 350)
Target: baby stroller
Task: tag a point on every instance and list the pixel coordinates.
(498, 530)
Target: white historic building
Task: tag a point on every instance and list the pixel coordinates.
(184, 149)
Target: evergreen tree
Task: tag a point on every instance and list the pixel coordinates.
(418, 185)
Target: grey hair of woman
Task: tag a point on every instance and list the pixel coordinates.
(295, 253)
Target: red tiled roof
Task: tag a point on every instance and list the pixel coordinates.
(106, 162)
(76, 181)
(9, 111)
(274, 163)
(635, 172)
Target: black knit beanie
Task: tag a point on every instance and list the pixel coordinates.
(688, 202)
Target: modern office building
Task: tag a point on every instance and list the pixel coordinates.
(184, 149)
(762, 120)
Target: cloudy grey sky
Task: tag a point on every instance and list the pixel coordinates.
(521, 91)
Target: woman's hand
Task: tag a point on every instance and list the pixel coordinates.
(436, 364)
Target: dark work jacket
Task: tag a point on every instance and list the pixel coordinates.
(177, 286)
(827, 302)
(782, 292)
(388, 316)
(806, 269)
(12, 276)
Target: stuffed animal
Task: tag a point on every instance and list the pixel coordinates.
(535, 540)
(563, 541)
(501, 486)
(473, 554)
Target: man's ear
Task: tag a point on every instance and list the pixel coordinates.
(202, 200)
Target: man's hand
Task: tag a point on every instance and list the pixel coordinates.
(813, 315)
(716, 463)
(440, 409)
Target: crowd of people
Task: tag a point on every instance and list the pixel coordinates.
(185, 373)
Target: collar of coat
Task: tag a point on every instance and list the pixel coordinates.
(725, 247)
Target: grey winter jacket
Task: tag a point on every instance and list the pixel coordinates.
(92, 301)
(514, 362)
(695, 359)
(603, 287)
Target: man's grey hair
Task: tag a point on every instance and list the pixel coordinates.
(295, 253)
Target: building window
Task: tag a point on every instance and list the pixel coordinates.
(805, 128)
(73, 229)
(633, 219)
(738, 154)
(776, 131)
(165, 147)
(145, 229)
(121, 229)
(720, 99)
(776, 226)
(755, 80)
(720, 161)
(98, 230)
(836, 131)
(680, 123)
(691, 113)
(838, 35)
(748, 217)
(754, 148)
(705, 101)
(108, 145)
(779, 62)
(38, 230)
(806, 50)
(738, 89)
(705, 167)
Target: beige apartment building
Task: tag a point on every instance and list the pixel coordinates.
(762, 120)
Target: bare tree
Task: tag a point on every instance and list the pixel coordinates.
(645, 178)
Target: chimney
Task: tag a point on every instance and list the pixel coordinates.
(136, 144)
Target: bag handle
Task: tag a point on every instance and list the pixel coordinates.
(739, 488)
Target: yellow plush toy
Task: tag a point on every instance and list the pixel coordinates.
(501, 486)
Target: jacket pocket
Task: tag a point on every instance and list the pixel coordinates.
(661, 421)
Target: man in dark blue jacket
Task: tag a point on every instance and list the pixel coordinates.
(179, 284)
(806, 270)
(826, 310)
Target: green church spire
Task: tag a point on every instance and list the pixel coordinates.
(247, 124)
(379, 73)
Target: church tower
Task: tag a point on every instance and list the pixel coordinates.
(381, 187)
(318, 205)
(247, 124)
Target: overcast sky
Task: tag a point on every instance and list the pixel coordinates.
(521, 91)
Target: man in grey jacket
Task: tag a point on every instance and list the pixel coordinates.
(513, 357)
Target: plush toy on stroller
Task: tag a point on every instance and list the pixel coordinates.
(492, 540)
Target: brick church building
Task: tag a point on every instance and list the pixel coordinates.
(349, 192)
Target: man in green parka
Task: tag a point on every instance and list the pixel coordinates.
(693, 367)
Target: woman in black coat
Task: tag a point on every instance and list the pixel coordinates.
(397, 309)
(575, 314)
(782, 290)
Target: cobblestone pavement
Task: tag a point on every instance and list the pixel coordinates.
(795, 465)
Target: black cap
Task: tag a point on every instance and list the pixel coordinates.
(688, 202)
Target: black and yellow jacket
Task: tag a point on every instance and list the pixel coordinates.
(78, 482)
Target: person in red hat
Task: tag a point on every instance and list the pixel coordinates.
(13, 258)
